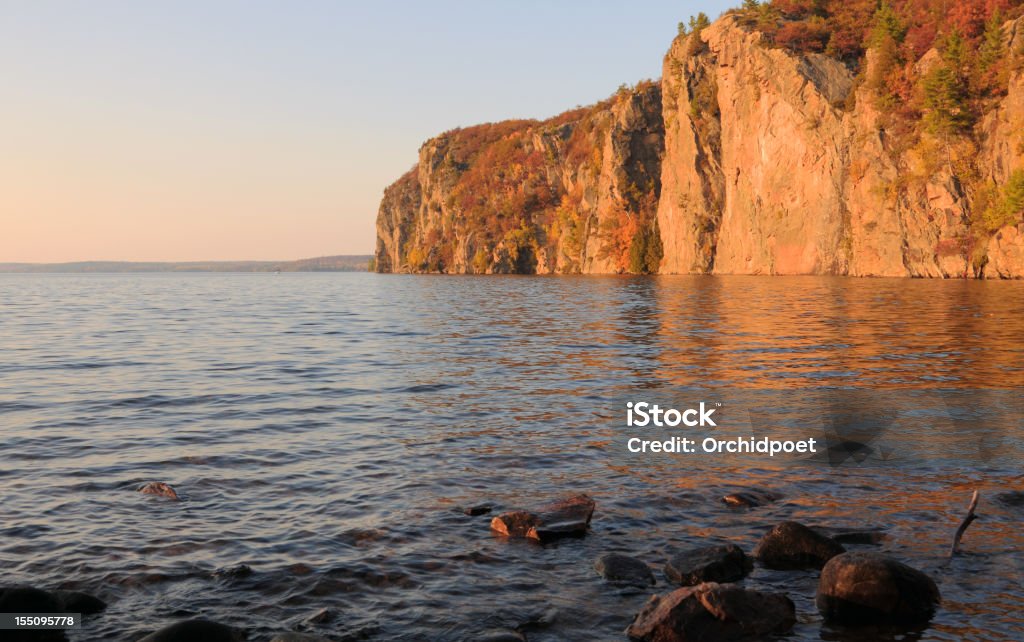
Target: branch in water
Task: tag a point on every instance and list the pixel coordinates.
(964, 524)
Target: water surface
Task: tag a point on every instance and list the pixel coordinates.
(323, 428)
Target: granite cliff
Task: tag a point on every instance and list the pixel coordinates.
(760, 152)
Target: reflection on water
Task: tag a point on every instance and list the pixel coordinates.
(323, 428)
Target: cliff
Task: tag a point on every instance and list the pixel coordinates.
(761, 152)
(575, 193)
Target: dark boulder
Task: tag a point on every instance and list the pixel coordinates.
(624, 570)
(751, 498)
(722, 563)
(30, 600)
(1014, 498)
(566, 518)
(867, 588)
(474, 511)
(196, 630)
(792, 546)
(709, 612)
(79, 602)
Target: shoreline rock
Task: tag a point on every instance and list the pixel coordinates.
(718, 563)
(565, 518)
(623, 570)
(868, 588)
(791, 545)
(712, 611)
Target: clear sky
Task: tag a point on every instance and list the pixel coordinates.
(201, 130)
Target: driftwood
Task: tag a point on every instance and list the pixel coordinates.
(970, 517)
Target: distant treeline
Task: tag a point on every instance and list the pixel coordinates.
(342, 263)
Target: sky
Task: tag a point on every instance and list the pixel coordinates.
(237, 130)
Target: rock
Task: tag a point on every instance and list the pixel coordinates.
(867, 588)
(751, 498)
(624, 570)
(724, 563)
(566, 518)
(159, 489)
(237, 571)
(854, 535)
(712, 612)
(298, 637)
(479, 509)
(195, 631)
(30, 600)
(79, 602)
(1014, 498)
(791, 546)
(321, 616)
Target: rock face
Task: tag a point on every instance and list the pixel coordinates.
(566, 518)
(792, 546)
(713, 612)
(194, 630)
(747, 159)
(725, 563)
(624, 570)
(571, 194)
(864, 588)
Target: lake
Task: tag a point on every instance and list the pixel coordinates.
(324, 429)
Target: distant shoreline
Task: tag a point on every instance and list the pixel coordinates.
(338, 263)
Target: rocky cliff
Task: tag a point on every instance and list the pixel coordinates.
(749, 158)
(576, 193)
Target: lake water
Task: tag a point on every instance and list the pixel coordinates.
(324, 428)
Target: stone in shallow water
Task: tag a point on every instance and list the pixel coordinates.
(159, 489)
(196, 631)
(566, 518)
(720, 563)
(1013, 498)
(751, 498)
(500, 635)
(709, 612)
(793, 546)
(868, 588)
(479, 509)
(624, 570)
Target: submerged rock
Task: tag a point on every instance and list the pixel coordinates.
(871, 536)
(751, 498)
(566, 518)
(867, 588)
(474, 511)
(196, 630)
(159, 489)
(1013, 498)
(624, 570)
(792, 546)
(500, 635)
(711, 611)
(722, 563)
(237, 571)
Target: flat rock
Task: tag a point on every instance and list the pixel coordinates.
(298, 637)
(751, 498)
(320, 617)
(624, 570)
(868, 588)
(565, 518)
(719, 563)
(159, 489)
(709, 612)
(474, 511)
(79, 602)
(196, 630)
(870, 536)
(793, 546)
